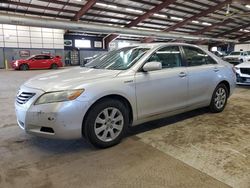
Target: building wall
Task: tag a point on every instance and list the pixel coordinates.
(13, 36)
(121, 43)
(1, 58)
(36, 40)
(244, 47)
(83, 52)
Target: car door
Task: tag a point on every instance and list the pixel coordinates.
(48, 60)
(202, 73)
(37, 62)
(162, 90)
(41, 61)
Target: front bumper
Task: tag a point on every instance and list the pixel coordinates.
(242, 79)
(13, 65)
(62, 120)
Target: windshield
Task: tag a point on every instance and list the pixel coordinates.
(235, 53)
(30, 57)
(120, 59)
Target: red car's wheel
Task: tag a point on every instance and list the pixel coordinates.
(24, 67)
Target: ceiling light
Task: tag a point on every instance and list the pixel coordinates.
(106, 5)
(206, 23)
(133, 10)
(248, 6)
(245, 30)
(176, 18)
(160, 15)
(196, 22)
(146, 29)
(101, 4)
(112, 6)
(114, 20)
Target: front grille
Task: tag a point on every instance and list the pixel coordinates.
(24, 97)
(245, 70)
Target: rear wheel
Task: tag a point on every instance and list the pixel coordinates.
(24, 67)
(219, 98)
(106, 123)
(54, 66)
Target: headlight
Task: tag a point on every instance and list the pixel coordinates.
(59, 96)
(16, 63)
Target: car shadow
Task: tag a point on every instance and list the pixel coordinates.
(148, 126)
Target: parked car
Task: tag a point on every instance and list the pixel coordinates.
(219, 53)
(236, 58)
(243, 73)
(38, 62)
(123, 88)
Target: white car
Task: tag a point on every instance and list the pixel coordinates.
(237, 57)
(123, 88)
(243, 73)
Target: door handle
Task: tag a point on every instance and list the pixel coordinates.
(182, 74)
(216, 69)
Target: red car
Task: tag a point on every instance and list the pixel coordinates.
(38, 62)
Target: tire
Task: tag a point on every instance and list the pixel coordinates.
(54, 66)
(219, 99)
(24, 67)
(106, 119)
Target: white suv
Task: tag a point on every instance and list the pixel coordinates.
(237, 57)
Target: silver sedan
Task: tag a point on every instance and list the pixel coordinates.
(123, 88)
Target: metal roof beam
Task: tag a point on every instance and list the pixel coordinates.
(149, 13)
(84, 9)
(201, 14)
(233, 30)
(245, 39)
(141, 18)
(97, 28)
(209, 28)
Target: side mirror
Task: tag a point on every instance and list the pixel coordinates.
(152, 66)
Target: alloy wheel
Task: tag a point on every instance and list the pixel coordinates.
(109, 124)
(220, 98)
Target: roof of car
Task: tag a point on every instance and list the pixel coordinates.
(158, 44)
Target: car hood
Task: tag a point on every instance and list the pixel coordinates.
(243, 65)
(232, 56)
(71, 78)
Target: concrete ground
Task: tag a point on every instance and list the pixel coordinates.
(196, 149)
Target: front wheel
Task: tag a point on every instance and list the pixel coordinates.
(24, 67)
(219, 99)
(106, 123)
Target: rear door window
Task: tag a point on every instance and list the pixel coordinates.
(197, 57)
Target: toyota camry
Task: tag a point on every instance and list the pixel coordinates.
(123, 88)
